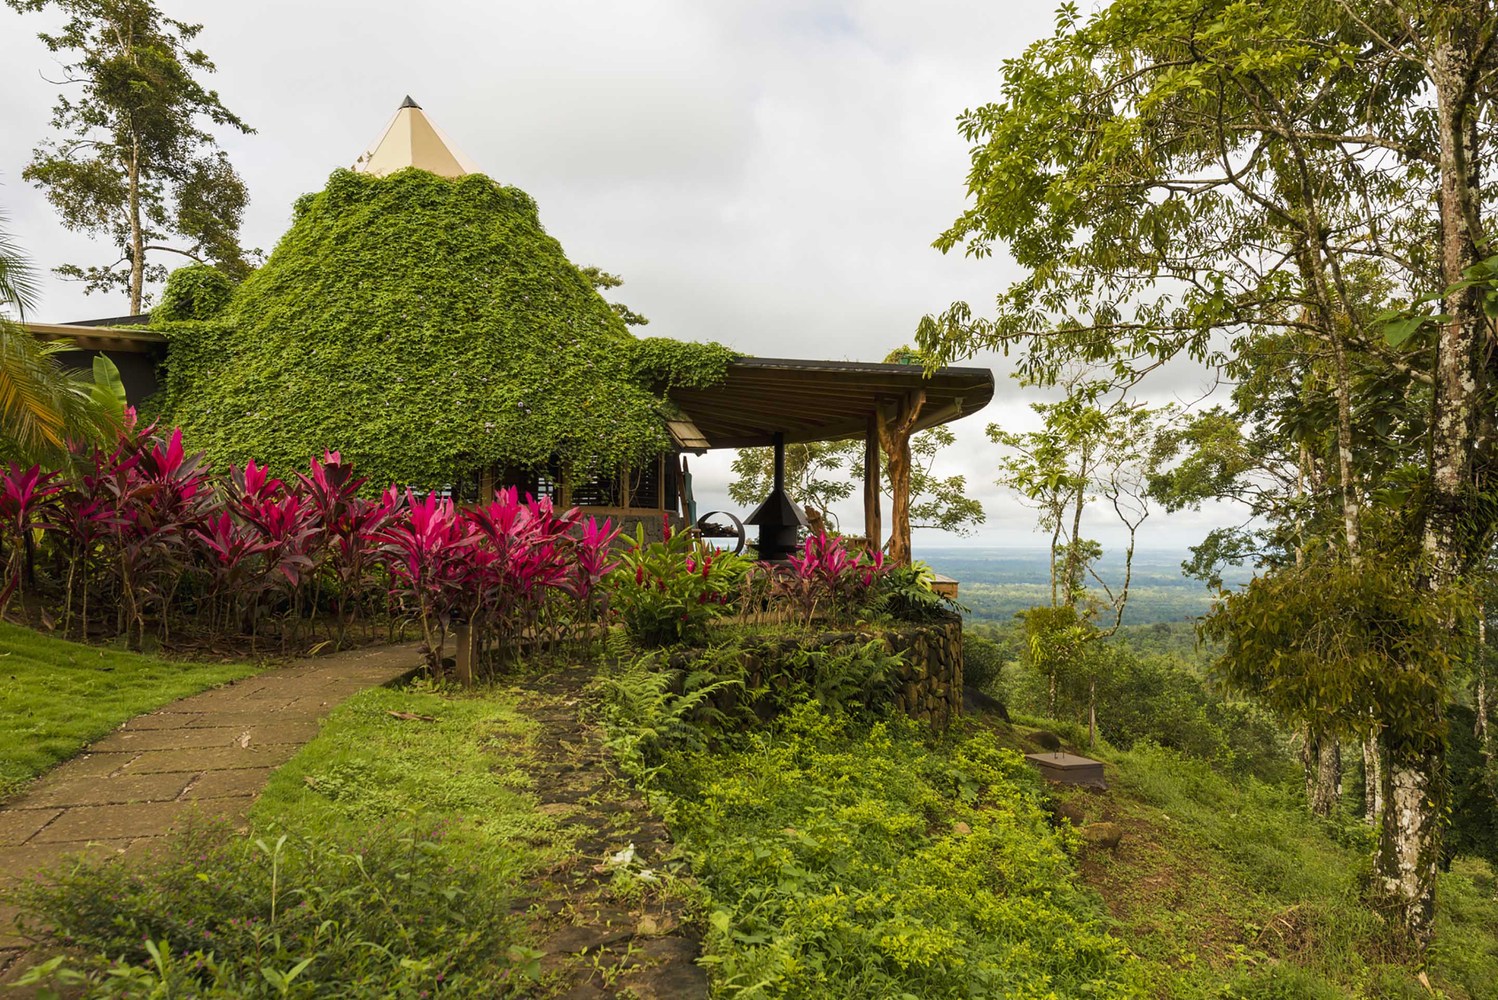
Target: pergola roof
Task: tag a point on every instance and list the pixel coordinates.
(100, 338)
(820, 400)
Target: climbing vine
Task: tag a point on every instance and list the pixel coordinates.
(424, 327)
(194, 292)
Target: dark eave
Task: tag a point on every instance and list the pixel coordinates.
(100, 338)
(140, 319)
(823, 400)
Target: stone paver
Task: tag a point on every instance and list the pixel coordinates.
(209, 754)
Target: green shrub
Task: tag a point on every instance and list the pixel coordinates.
(194, 292)
(223, 916)
(908, 593)
(667, 592)
(982, 664)
(660, 704)
(653, 711)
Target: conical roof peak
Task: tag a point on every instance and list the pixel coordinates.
(412, 140)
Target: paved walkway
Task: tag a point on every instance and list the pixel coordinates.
(211, 753)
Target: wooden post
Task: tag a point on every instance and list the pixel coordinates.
(895, 424)
(873, 527)
(486, 485)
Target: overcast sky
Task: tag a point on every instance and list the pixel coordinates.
(768, 175)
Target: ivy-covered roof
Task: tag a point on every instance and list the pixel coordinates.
(423, 326)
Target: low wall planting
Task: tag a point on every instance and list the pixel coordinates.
(914, 668)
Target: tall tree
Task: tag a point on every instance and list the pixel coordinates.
(1180, 178)
(133, 161)
(1276, 451)
(1081, 454)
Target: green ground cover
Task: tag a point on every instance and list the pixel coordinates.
(1230, 888)
(383, 862)
(57, 697)
(843, 861)
(842, 855)
(461, 762)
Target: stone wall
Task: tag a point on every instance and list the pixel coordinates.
(930, 687)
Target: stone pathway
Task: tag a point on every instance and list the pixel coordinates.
(210, 753)
(606, 916)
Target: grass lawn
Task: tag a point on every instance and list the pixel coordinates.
(452, 759)
(57, 697)
(385, 861)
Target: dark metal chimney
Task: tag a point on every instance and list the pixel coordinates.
(780, 521)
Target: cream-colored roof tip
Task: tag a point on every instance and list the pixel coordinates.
(411, 140)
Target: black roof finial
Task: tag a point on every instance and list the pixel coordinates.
(409, 103)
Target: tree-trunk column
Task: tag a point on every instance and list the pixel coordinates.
(873, 527)
(895, 424)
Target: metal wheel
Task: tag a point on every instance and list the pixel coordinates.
(713, 531)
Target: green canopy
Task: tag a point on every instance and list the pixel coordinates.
(425, 327)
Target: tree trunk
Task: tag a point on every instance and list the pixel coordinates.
(1092, 712)
(1321, 755)
(1409, 843)
(899, 507)
(1414, 776)
(1055, 542)
(1073, 549)
(137, 237)
(1373, 780)
(1345, 473)
(1482, 695)
(895, 425)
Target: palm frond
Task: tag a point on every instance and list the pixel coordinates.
(20, 287)
(43, 405)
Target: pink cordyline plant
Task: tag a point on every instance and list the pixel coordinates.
(235, 557)
(530, 548)
(592, 562)
(352, 528)
(159, 494)
(27, 497)
(84, 517)
(143, 526)
(826, 575)
(430, 565)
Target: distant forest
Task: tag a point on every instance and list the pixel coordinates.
(998, 583)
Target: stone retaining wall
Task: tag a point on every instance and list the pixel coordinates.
(930, 687)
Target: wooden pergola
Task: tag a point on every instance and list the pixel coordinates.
(770, 402)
